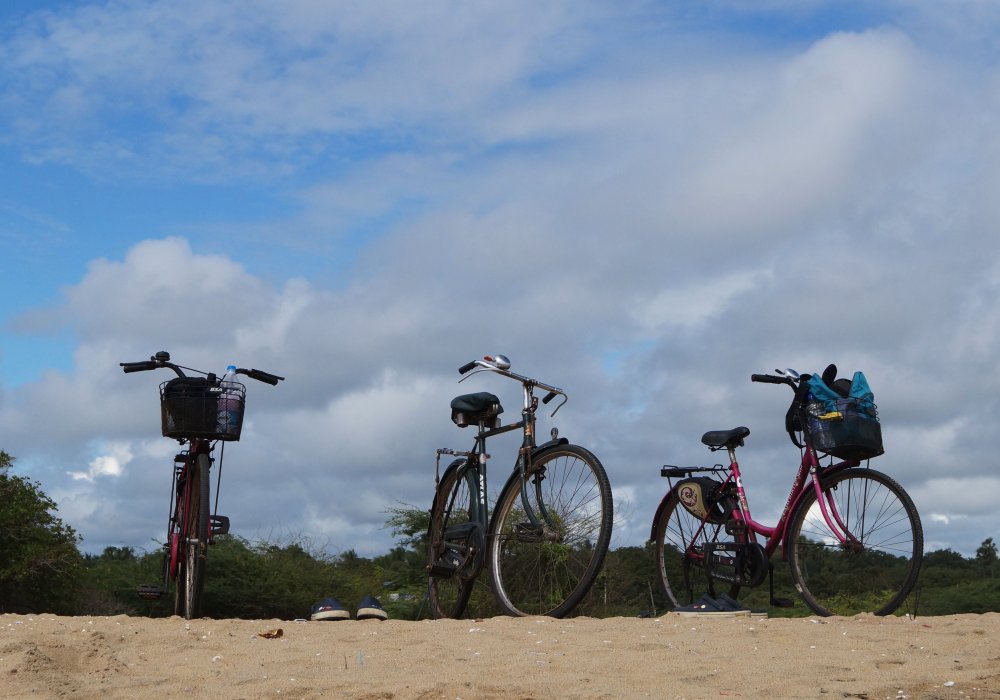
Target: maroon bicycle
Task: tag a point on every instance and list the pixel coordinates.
(200, 412)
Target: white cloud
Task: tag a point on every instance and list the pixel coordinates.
(540, 183)
(112, 463)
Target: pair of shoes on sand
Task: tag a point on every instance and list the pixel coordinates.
(722, 606)
(330, 609)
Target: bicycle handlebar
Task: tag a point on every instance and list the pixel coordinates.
(466, 367)
(162, 359)
(768, 379)
(788, 377)
(138, 366)
(261, 376)
(501, 365)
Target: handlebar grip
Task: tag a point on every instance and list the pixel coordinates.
(767, 379)
(549, 396)
(466, 367)
(137, 366)
(262, 376)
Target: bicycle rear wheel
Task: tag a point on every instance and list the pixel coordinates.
(679, 545)
(457, 545)
(878, 567)
(195, 497)
(548, 570)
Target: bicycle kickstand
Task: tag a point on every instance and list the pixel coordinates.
(776, 602)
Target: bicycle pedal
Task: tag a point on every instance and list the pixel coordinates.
(782, 602)
(220, 525)
(149, 592)
(442, 568)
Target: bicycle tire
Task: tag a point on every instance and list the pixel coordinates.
(878, 573)
(453, 505)
(676, 542)
(549, 574)
(194, 539)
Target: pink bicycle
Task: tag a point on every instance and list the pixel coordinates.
(851, 535)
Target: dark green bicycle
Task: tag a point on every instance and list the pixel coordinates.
(548, 534)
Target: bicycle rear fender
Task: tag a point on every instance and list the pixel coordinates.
(659, 509)
(455, 464)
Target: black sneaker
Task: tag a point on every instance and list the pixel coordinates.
(329, 609)
(370, 609)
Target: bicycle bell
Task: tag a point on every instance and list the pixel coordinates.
(500, 361)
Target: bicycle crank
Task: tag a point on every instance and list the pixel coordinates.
(462, 553)
(744, 564)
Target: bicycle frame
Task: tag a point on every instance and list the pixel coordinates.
(543, 546)
(177, 524)
(477, 457)
(838, 516)
(190, 531)
(810, 474)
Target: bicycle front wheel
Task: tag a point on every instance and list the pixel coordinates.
(877, 567)
(194, 497)
(456, 545)
(681, 543)
(547, 569)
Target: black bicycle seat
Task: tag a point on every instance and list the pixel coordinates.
(725, 438)
(469, 409)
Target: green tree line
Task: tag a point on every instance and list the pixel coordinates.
(42, 570)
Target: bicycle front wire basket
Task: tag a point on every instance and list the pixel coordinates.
(191, 407)
(843, 428)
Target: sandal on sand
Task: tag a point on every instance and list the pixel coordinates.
(732, 602)
(329, 609)
(371, 609)
(706, 606)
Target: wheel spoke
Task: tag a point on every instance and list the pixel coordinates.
(877, 566)
(547, 570)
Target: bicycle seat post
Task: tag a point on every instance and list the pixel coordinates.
(731, 448)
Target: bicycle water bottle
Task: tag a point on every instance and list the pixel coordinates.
(229, 403)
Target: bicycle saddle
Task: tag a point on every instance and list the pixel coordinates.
(469, 409)
(725, 438)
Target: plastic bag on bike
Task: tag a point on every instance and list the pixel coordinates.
(704, 498)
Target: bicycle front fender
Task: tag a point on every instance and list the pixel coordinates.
(826, 474)
(546, 446)
(515, 474)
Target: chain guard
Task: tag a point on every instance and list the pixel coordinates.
(462, 552)
(744, 564)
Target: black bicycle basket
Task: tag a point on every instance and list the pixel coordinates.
(193, 407)
(845, 428)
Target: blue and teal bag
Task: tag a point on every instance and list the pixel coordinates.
(842, 421)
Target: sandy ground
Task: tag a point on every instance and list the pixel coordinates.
(43, 656)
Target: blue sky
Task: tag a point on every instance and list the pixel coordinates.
(643, 203)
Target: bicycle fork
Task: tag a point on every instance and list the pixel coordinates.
(536, 529)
